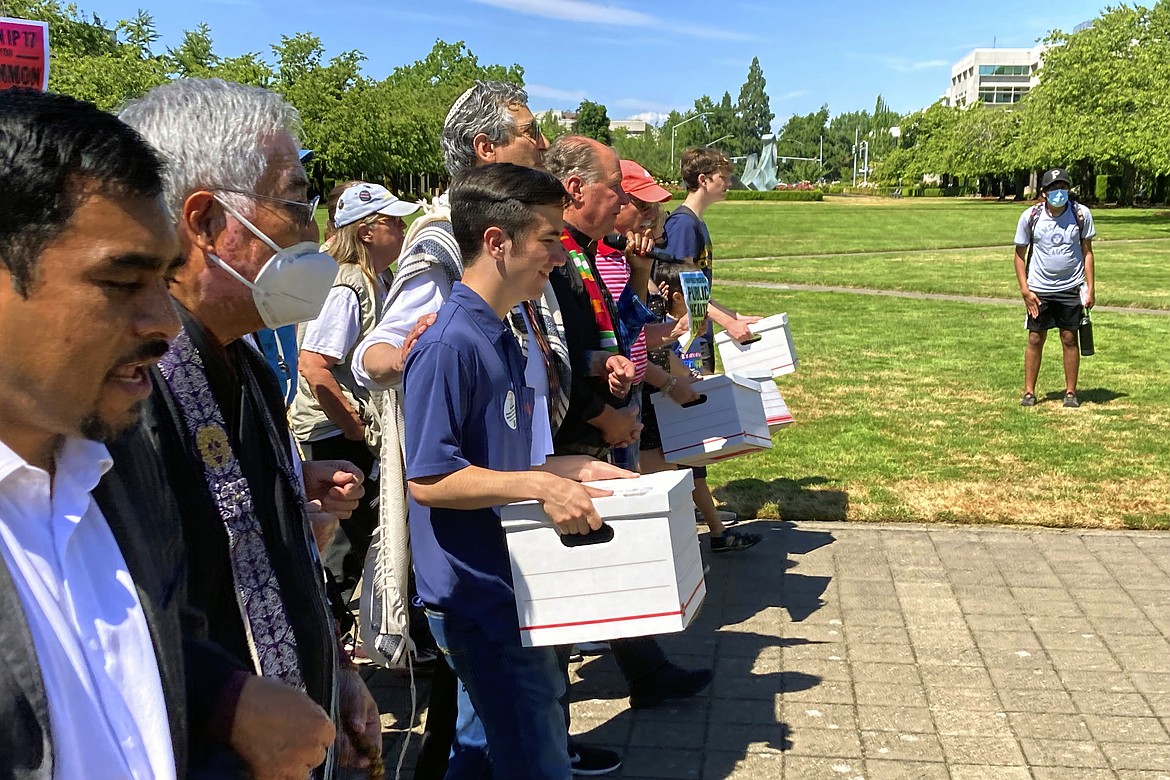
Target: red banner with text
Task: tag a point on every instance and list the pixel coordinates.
(24, 54)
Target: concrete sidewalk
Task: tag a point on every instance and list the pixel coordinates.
(907, 651)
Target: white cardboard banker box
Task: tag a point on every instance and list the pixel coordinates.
(727, 420)
(772, 355)
(641, 574)
(775, 407)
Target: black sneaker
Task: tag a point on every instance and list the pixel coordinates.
(1028, 400)
(588, 761)
(668, 683)
(1070, 401)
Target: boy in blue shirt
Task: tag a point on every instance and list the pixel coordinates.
(468, 415)
(706, 173)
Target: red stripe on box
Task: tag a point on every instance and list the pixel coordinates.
(602, 620)
(692, 596)
(716, 438)
(779, 419)
(717, 458)
(682, 608)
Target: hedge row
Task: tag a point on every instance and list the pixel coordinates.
(770, 195)
(911, 192)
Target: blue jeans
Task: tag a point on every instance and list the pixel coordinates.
(627, 457)
(515, 692)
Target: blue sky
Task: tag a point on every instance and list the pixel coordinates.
(646, 57)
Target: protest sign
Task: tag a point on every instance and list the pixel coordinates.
(24, 54)
(697, 294)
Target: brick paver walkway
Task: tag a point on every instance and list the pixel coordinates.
(880, 652)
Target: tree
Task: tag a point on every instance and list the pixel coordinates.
(1101, 100)
(593, 122)
(801, 137)
(754, 110)
(651, 150)
(193, 58)
(550, 125)
(720, 121)
(140, 33)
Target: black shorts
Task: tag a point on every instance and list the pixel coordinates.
(1062, 311)
(651, 438)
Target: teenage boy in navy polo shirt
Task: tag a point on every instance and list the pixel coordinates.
(468, 418)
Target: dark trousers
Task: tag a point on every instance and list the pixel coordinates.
(637, 657)
(346, 555)
(434, 751)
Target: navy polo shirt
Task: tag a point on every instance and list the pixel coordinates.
(466, 404)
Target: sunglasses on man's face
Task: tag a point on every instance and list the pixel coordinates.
(531, 131)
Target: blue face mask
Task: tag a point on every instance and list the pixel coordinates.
(1057, 198)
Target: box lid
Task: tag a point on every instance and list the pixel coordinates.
(646, 495)
(717, 381)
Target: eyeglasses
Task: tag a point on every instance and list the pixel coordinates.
(305, 211)
(388, 221)
(531, 131)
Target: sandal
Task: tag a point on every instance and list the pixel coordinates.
(734, 540)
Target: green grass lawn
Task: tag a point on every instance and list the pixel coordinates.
(907, 410)
(1135, 274)
(839, 224)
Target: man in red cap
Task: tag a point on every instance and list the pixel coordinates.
(638, 217)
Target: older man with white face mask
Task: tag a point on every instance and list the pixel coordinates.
(237, 192)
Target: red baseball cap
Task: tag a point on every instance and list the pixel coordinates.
(638, 182)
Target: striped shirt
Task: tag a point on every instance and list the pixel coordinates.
(615, 274)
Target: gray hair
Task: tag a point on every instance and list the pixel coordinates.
(211, 133)
(574, 155)
(481, 109)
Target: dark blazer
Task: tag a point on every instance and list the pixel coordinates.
(141, 513)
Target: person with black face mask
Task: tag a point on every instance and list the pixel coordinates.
(1055, 269)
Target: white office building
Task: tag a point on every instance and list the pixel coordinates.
(994, 77)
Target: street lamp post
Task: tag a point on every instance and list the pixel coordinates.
(721, 138)
(676, 127)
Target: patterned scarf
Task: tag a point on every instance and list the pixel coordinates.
(609, 340)
(546, 313)
(262, 607)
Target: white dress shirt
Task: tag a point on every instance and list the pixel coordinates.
(106, 707)
(536, 377)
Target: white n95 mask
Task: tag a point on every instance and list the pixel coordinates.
(293, 285)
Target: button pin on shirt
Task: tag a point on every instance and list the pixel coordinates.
(510, 409)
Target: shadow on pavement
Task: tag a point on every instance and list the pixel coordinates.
(754, 648)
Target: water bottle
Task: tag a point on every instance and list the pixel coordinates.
(1086, 335)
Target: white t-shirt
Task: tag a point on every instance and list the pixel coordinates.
(536, 377)
(1058, 262)
(339, 325)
